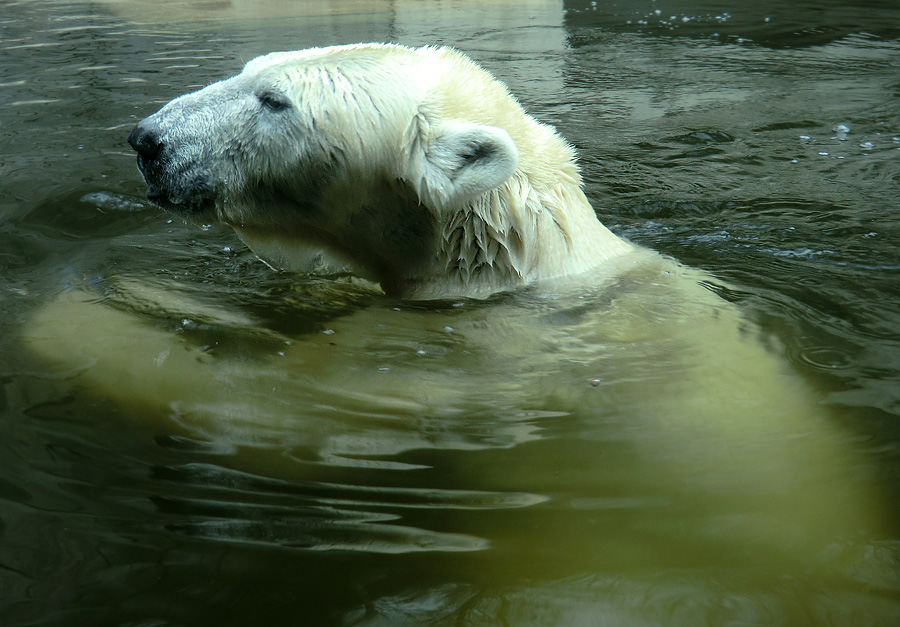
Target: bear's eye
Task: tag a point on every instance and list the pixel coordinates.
(272, 101)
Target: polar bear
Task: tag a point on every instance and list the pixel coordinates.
(414, 166)
(420, 172)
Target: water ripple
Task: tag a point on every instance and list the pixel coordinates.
(231, 506)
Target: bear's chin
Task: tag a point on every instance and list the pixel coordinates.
(194, 208)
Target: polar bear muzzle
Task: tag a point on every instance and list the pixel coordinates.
(190, 197)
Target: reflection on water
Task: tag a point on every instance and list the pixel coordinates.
(332, 457)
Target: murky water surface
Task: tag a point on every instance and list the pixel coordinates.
(486, 479)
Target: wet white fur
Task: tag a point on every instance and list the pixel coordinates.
(368, 163)
(418, 152)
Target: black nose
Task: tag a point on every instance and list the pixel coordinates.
(145, 142)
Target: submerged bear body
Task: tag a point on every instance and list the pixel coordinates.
(615, 385)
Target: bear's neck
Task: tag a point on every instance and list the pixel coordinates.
(510, 237)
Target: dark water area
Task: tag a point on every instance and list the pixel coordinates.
(760, 143)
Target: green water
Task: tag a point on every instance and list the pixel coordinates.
(492, 475)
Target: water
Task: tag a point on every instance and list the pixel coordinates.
(493, 475)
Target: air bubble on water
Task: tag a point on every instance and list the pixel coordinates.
(421, 352)
(842, 131)
(823, 153)
(768, 19)
(805, 138)
(795, 160)
(658, 12)
(205, 227)
(896, 140)
(867, 145)
(448, 329)
(328, 332)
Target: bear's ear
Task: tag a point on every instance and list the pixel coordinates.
(463, 161)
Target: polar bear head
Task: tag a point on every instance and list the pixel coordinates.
(413, 165)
